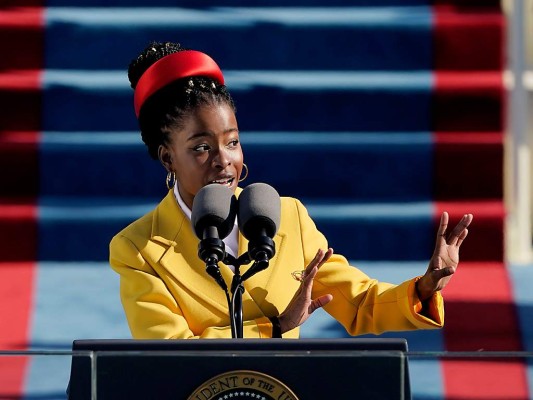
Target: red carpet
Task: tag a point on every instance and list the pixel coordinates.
(16, 286)
(21, 35)
(468, 118)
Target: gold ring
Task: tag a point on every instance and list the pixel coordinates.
(299, 275)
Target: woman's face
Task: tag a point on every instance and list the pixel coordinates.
(206, 149)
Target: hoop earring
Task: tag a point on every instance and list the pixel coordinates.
(171, 180)
(246, 175)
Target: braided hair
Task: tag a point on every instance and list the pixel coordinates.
(166, 109)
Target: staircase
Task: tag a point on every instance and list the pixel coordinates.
(378, 115)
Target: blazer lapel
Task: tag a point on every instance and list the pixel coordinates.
(181, 262)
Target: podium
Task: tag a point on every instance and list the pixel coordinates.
(223, 369)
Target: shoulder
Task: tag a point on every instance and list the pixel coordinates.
(140, 228)
(290, 202)
(293, 213)
(154, 220)
(292, 207)
(289, 207)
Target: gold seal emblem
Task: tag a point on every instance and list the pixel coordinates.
(249, 385)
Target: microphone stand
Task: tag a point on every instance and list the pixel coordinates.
(237, 289)
(262, 249)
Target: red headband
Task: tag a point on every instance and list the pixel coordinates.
(173, 67)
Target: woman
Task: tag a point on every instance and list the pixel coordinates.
(187, 121)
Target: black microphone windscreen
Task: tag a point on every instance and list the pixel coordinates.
(214, 205)
(259, 209)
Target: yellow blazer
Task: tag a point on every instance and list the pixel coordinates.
(166, 292)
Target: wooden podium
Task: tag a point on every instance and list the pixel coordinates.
(232, 369)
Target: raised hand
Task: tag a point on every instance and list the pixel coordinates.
(302, 305)
(445, 259)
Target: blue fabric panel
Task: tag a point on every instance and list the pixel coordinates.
(377, 231)
(98, 164)
(365, 38)
(72, 301)
(87, 295)
(356, 166)
(80, 229)
(426, 379)
(521, 278)
(102, 101)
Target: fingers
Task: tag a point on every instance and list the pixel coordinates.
(442, 273)
(443, 224)
(462, 237)
(302, 305)
(321, 257)
(320, 302)
(460, 231)
(311, 270)
(441, 232)
(327, 256)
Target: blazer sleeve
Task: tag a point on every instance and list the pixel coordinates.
(151, 310)
(361, 304)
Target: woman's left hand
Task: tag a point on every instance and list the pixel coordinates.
(445, 259)
(302, 305)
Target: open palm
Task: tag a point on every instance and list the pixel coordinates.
(445, 259)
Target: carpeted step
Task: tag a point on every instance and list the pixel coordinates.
(482, 316)
(19, 218)
(10, 4)
(16, 286)
(352, 101)
(289, 101)
(362, 231)
(489, 302)
(362, 167)
(468, 165)
(476, 92)
(278, 38)
(401, 165)
(379, 231)
(281, 38)
(469, 35)
(20, 96)
(21, 35)
(20, 163)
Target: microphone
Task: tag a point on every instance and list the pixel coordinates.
(213, 216)
(259, 218)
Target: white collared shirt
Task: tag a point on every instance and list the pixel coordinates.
(231, 242)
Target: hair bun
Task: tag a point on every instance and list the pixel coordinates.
(153, 52)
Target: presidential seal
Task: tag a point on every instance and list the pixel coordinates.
(249, 385)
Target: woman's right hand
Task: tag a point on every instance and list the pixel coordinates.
(302, 305)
